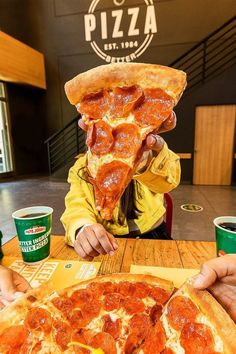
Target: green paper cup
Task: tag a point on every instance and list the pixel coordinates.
(33, 226)
(225, 238)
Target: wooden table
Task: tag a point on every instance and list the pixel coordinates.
(177, 254)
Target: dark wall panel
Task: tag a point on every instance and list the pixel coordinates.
(65, 7)
(186, 170)
(56, 28)
(27, 129)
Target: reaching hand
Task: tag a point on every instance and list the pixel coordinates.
(156, 142)
(94, 240)
(12, 285)
(82, 125)
(219, 277)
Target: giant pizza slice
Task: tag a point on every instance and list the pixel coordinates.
(121, 104)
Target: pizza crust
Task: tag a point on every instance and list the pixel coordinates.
(109, 76)
(119, 277)
(14, 312)
(217, 316)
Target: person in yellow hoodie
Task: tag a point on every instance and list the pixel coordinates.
(140, 210)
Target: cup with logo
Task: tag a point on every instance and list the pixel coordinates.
(33, 226)
(225, 230)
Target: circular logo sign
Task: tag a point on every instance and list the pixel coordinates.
(121, 33)
(193, 208)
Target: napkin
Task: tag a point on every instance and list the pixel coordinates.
(177, 275)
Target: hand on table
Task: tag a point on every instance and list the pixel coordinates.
(12, 285)
(219, 277)
(94, 240)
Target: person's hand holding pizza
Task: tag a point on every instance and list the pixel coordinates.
(219, 277)
(93, 240)
(12, 285)
(154, 141)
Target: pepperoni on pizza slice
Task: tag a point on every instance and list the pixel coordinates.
(121, 104)
(195, 323)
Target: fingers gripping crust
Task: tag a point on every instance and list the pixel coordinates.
(109, 76)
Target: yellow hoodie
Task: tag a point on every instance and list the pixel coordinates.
(161, 176)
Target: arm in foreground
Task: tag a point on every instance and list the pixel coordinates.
(12, 285)
(219, 277)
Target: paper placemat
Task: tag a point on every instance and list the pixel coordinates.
(177, 275)
(60, 273)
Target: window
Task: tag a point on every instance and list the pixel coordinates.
(5, 146)
(2, 92)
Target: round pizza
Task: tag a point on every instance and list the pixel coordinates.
(118, 313)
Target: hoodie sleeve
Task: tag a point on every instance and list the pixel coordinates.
(163, 173)
(79, 203)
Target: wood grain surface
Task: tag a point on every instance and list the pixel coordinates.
(20, 63)
(174, 254)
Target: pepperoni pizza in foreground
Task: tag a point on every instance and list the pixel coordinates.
(121, 104)
(119, 313)
(114, 313)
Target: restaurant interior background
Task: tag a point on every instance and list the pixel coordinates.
(39, 133)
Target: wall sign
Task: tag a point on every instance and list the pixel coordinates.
(120, 33)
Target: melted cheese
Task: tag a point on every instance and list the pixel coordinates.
(82, 345)
(96, 324)
(94, 162)
(219, 346)
(148, 301)
(49, 348)
(114, 317)
(173, 337)
(131, 120)
(115, 122)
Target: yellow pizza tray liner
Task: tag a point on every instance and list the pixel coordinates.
(177, 275)
(60, 273)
